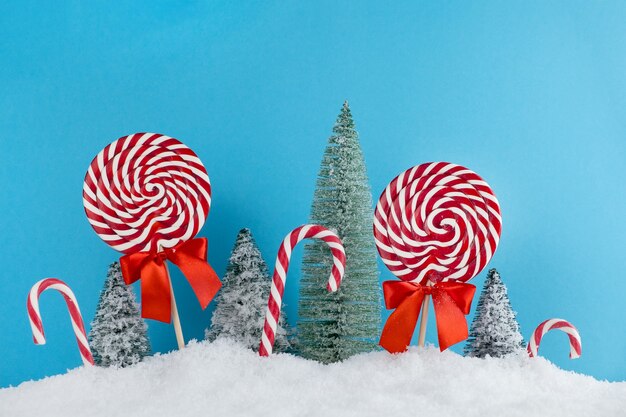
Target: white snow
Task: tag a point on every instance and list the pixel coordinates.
(224, 379)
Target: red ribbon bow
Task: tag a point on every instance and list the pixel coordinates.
(452, 301)
(191, 259)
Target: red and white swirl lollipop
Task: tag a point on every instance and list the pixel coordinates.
(148, 195)
(146, 191)
(437, 222)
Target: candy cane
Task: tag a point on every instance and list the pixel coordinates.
(32, 304)
(308, 231)
(575, 346)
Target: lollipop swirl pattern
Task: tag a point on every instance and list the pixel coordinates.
(437, 222)
(145, 192)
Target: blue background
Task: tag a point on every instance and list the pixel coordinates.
(530, 95)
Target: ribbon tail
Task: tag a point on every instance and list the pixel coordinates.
(201, 276)
(451, 323)
(400, 325)
(155, 292)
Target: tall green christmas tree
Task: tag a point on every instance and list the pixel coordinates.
(118, 335)
(494, 331)
(334, 326)
(241, 303)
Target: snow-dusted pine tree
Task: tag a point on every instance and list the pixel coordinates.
(241, 303)
(118, 335)
(495, 331)
(335, 326)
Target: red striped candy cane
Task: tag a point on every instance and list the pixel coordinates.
(32, 304)
(308, 231)
(575, 346)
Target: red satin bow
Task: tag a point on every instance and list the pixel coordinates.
(452, 301)
(191, 259)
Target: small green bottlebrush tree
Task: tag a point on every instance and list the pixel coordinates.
(118, 335)
(334, 326)
(494, 331)
(241, 303)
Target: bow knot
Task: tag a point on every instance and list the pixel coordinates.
(191, 259)
(452, 301)
(428, 289)
(165, 254)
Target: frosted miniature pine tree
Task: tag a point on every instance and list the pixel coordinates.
(495, 331)
(241, 303)
(334, 326)
(118, 335)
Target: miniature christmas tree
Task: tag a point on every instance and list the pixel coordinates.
(495, 331)
(335, 326)
(241, 303)
(118, 335)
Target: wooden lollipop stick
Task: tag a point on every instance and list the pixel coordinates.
(178, 330)
(422, 333)
(176, 320)
(425, 306)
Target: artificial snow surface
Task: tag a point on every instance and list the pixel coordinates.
(224, 379)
